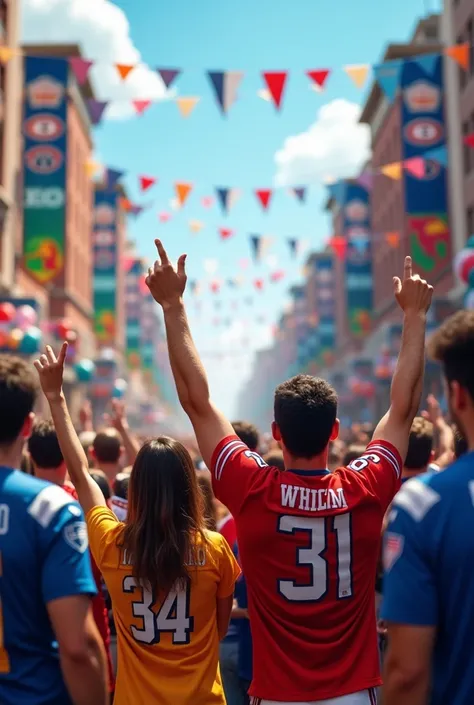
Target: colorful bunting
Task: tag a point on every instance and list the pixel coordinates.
(225, 85)
(194, 285)
(6, 53)
(393, 171)
(112, 176)
(358, 73)
(227, 197)
(387, 76)
(187, 104)
(96, 109)
(80, 68)
(438, 154)
(319, 77)
(415, 166)
(277, 276)
(207, 201)
(146, 182)
(163, 217)
(275, 81)
(255, 241)
(392, 239)
(124, 70)
(168, 75)
(366, 179)
(195, 226)
(215, 286)
(225, 233)
(338, 243)
(293, 245)
(337, 191)
(259, 283)
(264, 196)
(136, 210)
(428, 63)
(141, 105)
(125, 204)
(460, 53)
(182, 192)
(300, 193)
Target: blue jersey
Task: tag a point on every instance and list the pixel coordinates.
(43, 557)
(429, 575)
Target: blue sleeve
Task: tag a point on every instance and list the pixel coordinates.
(409, 591)
(66, 568)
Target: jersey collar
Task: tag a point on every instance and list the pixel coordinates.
(310, 473)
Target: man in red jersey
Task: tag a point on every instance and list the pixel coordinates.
(308, 538)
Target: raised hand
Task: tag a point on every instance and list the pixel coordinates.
(433, 413)
(117, 419)
(166, 284)
(50, 371)
(412, 294)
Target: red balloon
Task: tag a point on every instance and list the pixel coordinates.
(7, 312)
(63, 327)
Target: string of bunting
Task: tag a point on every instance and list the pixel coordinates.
(225, 84)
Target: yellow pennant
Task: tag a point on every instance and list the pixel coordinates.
(358, 73)
(393, 171)
(186, 105)
(196, 226)
(6, 53)
(92, 168)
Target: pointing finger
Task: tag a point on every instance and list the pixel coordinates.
(162, 252)
(62, 354)
(181, 265)
(408, 271)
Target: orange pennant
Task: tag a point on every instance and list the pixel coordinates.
(124, 70)
(182, 192)
(126, 204)
(460, 54)
(186, 105)
(393, 171)
(392, 239)
(6, 53)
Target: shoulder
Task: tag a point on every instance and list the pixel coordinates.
(217, 545)
(45, 502)
(420, 496)
(230, 449)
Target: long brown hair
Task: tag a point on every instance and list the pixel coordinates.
(165, 515)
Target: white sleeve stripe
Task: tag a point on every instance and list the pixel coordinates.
(387, 452)
(47, 504)
(381, 450)
(225, 454)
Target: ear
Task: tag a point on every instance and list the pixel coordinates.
(335, 430)
(27, 427)
(458, 396)
(276, 431)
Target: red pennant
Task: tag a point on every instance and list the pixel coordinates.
(215, 286)
(141, 105)
(146, 182)
(469, 140)
(319, 77)
(258, 284)
(264, 196)
(225, 233)
(277, 276)
(275, 81)
(339, 245)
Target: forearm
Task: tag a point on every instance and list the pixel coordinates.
(86, 676)
(130, 443)
(407, 384)
(188, 371)
(71, 448)
(399, 688)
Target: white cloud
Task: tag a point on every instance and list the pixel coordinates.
(102, 31)
(335, 146)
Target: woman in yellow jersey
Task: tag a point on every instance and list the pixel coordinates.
(171, 581)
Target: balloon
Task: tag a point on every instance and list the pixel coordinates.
(117, 393)
(121, 384)
(26, 317)
(31, 341)
(7, 312)
(62, 328)
(470, 279)
(84, 370)
(14, 338)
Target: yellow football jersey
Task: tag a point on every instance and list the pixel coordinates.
(168, 649)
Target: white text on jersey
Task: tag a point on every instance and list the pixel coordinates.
(311, 500)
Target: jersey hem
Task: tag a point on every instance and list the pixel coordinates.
(313, 696)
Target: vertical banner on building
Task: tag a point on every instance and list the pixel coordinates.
(44, 161)
(133, 299)
(426, 200)
(358, 262)
(104, 239)
(326, 306)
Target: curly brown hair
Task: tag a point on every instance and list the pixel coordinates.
(453, 346)
(18, 392)
(420, 444)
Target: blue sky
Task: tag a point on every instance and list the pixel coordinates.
(239, 151)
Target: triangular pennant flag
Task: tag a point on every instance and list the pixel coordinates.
(277, 276)
(222, 197)
(337, 191)
(225, 233)
(80, 68)
(146, 182)
(338, 243)
(438, 154)
(427, 63)
(275, 81)
(207, 201)
(215, 286)
(168, 75)
(195, 226)
(125, 204)
(124, 70)
(182, 192)
(469, 140)
(387, 76)
(259, 283)
(358, 74)
(6, 53)
(187, 104)
(460, 53)
(300, 193)
(393, 171)
(366, 179)
(264, 196)
(163, 217)
(136, 210)
(392, 239)
(293, 245)
(141, 105)
(225, 85)
(92, 168)
(96, 109)
(360, 244)
(415, 166)
(255, 241)
(319, 77)
(112, 176)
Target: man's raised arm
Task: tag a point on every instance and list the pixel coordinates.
(414, 298)
(167, 284)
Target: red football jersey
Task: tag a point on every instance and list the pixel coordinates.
(309, 544)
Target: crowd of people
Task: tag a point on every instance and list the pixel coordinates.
(281, 567)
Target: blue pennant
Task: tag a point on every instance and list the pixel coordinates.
(387, 76)
(428, 63)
